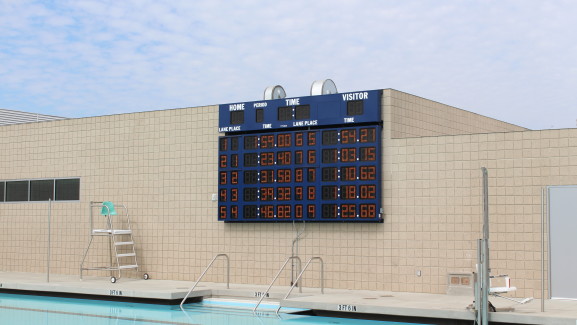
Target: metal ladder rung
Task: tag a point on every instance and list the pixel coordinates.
(127, 267)
(120, 243)
(122, 231)
(109, 232)
(126, 255)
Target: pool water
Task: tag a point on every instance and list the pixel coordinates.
(23, 310)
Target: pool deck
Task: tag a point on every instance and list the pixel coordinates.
(557, 312)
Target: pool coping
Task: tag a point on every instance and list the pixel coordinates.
(347, 302)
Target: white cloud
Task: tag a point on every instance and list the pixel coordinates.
(511, 60)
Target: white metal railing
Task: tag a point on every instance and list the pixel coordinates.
(206, 270)
(301, 274)
(276, 277)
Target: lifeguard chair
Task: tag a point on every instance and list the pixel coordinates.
(115, 227)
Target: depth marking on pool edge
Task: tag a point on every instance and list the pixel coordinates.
(347, 308)
(98, 316)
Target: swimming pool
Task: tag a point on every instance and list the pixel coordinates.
(22, 309)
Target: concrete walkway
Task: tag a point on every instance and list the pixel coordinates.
(557, 312)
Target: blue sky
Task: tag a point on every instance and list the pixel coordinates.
(512, 60)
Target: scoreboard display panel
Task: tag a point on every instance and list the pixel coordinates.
(329, 172)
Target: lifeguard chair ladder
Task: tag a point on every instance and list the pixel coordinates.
(120, 240)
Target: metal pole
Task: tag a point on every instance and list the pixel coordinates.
(477, 279)
(548, 241)
(542, 249)
(485, 250)
(48, 255)
(486, 285)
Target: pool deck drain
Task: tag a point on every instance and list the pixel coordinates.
(557, 312)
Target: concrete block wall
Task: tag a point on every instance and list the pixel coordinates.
(163, 166)
(414, 116)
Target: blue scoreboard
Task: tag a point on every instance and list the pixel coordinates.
(314, 158)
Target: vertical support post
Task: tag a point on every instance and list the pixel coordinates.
(49, 241)
(548, 241)
(477, 282)
(486, 283)
(485, 266)
(542, 249)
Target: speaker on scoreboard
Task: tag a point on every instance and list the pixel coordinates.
(323, 87)
(274, 92)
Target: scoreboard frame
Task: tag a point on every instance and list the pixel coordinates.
(318, 160)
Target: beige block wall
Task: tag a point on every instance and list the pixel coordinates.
(435, 208)
(414, 116)
(163, 166)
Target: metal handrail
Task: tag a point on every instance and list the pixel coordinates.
(301, 274)
(203, 273)
(276, 277)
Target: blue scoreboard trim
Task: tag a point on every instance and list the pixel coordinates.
(325, 167)
(323, 110)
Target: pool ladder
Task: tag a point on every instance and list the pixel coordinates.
(295, 283)
(206, 270)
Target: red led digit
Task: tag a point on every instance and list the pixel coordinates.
(299, 139)
(223, 144)
(311, 175)
(234, 177)
(368, 191)
(222, 178)
(283, 193)
(222, 195)
(348, 192)
(348, 211)
(283, 157)
(312, 138)
(367, 135)
(349, 155)
(234, 211)
(368, 173)
(298, 157)
(283, 211)
(266, 193)
(267, 141)
(234, 160)
(312, 157)
(284, 140)
(349, 136)
(312, 193)
(284, 175)
(298, 193)
(298, 175)
(222, 212)
(267, 176)
(349, 173)
(267, 211)
(311, 211)
(234, 194)
(368, 154)
(267, 159)
(223, 160)
(299, 211)
(368, 211)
